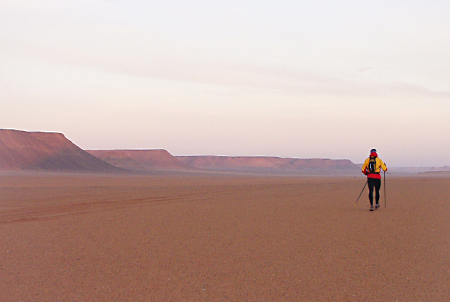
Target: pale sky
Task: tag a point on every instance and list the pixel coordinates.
(305, 79)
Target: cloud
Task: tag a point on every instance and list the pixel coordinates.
(416, 90)
(365, 69)
(177, 66)
(50, 6)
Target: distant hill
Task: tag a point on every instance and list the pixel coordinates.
(45, 151)
(262, 163)
(140, 160)
(440, 169)
(418, 170)
(147, 160)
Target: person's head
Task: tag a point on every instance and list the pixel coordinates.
(373, 153)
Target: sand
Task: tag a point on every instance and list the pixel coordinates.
(222, 238)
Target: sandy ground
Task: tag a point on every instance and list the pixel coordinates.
(192, 238)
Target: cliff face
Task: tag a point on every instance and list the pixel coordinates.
(42, 151)
(140, 160)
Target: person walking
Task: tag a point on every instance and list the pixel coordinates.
(372, 167)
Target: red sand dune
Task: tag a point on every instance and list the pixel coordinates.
(267, 163)
(20, 150)
(142, 160)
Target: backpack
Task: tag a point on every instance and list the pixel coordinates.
(372, 165)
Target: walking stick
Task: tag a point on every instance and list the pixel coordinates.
(384, 180)
(361, 192)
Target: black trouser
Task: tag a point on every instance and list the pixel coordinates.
(374, 183)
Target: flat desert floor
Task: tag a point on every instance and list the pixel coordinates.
(222, 238)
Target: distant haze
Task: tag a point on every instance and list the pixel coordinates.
(296, 79)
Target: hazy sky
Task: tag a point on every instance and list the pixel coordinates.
(289, 78)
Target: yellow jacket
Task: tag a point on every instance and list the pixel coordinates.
(378, 166)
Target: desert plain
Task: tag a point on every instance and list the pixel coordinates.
(218, 237)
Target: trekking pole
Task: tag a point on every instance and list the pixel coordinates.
(384, 180)
(361, 192)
